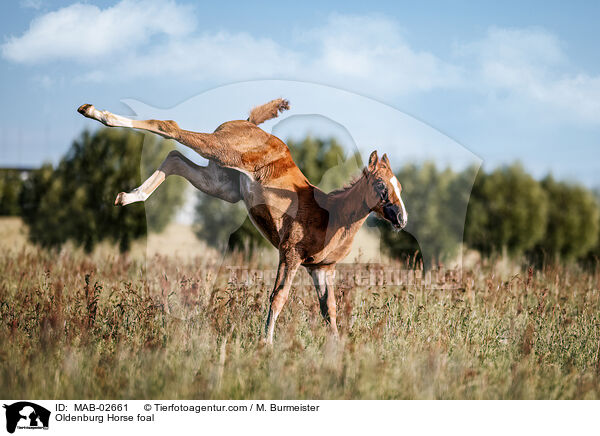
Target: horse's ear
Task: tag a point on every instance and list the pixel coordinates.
(373, 159)
(386, 161)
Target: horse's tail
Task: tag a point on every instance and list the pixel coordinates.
(269, 110)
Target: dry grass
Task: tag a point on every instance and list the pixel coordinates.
(106, 326)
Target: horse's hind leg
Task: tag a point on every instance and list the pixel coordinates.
(205, 144)
(213, 180)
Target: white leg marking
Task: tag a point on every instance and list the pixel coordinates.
(119, 121)
(143, 192)
(125, 198)
(108, 118)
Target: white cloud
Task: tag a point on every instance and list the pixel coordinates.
(580, 94)
(137, 39)
(371, 50)
(347, 51)
(532, 46)
(530, 66)
(220, 56)
(85, 33)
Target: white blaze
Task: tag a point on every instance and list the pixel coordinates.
(394, 182)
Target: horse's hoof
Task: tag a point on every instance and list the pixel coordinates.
(120, 200)
(85, 109)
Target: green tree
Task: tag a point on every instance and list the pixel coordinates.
(573, 221)
(75, 200)
(507, 210)
(323, 162)
(216, 220)
(10, 190)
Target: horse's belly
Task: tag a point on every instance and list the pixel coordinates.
(267, 207)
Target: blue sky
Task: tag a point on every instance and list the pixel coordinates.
(509, 81)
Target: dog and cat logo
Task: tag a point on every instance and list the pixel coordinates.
(26, 415)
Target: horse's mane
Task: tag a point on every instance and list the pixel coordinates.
(350, 184)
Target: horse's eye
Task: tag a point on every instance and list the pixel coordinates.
(382, 190)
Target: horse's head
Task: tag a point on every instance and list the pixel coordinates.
(384, 193)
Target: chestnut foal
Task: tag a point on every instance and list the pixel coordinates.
(309, 227)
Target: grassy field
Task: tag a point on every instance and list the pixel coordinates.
(105, 326)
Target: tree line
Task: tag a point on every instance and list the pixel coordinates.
(507, 211)
(501, 211)
(74, 199)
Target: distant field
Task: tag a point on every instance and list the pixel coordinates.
(108, 326)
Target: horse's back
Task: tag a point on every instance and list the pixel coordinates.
(241, 135)
(254, 147)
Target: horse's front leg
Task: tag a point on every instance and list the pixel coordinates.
(324, 280)
(288, 265)
(213, 180)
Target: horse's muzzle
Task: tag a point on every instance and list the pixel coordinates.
(395, 215)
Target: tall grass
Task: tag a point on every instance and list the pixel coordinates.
(77, 326)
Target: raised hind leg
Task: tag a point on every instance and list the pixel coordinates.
(213, 180)
(208, 145)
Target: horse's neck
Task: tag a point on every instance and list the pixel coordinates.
(348, 206)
